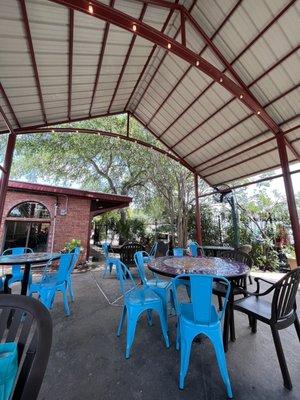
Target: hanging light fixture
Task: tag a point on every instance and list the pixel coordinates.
(91, 9)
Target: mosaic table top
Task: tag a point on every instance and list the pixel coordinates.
(28, 258)
(173, 266)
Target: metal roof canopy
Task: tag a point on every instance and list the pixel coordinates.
(216, 82)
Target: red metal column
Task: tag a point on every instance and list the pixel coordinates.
(197, 213)
(289, 193)
(5, 174)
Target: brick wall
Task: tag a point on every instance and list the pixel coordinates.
(74, 225)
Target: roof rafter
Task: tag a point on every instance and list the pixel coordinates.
(190, 67)
(71, 44)
(142, 14)
(278, 62)
(240, 121)
(9, 104)
(238, 145)
(157, 68)
(148, 60)
(101, 55)
(32, 56)
(229, 67)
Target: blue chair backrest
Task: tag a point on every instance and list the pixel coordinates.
(105, 247)
(178, 252)
(122, 274)
(201, 287)
(193, 246)
(63, 268)
(76, 254)
(139, 262)
(153, 250)
(17, 251)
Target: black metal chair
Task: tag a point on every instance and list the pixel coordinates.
(27, 322)
(127, 252)
(279, 313)
(238, 287)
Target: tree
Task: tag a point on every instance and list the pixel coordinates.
(107, 164)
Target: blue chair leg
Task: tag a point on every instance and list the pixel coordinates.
(65, 299)
(177, 334)
(185, 351)
(121, 321)
(132, 318)
(216, 338)
(70, 287)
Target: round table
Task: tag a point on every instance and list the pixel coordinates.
(230, 269)
(27, 260)
(173, 266)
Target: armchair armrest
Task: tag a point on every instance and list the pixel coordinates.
(257, 279)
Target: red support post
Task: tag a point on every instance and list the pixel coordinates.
(290, 196)
(7, 163)
(197, 213)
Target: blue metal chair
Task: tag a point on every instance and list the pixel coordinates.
(194, 249)
(159, 286)
(17, 273)
(151, 255)
(52, 283)
(136, 302)
(199, 316)
(76, 254)
(108, 261)
(178, 252)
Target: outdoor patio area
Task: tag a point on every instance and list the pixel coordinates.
(87, 358)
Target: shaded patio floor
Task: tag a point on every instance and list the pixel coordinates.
(87, 359)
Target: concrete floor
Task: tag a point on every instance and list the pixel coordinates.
(87, 359)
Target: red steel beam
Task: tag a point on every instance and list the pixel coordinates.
(247, 149)
(182, 28)
(11, 110)
(269, 178)
(71, 44)
(157, 69)
(32, 56)
(190, 67)
(164, 4)
(249, 86)
(197, 213)
(66, 121)
(107, 134)
(7, 162)
(124, 21)
(238, 145)
(246, 88)
(101, 55)
(252, 157)
(290, 196)
(166, 23)
(126, 59)
(239, 122)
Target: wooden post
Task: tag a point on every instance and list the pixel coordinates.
(290, 196)
(7, 162)
(197, 213)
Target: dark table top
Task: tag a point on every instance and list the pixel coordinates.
(217, 248)
(173, 266)
(28, 258)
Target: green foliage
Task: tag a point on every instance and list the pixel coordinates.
(69, 246)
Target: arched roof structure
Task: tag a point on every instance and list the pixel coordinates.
(214, 81)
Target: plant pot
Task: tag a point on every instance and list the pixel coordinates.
(292, 262)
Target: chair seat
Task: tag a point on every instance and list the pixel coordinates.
(186, 310)
(161, 284)
(255, 306)
(141, 297)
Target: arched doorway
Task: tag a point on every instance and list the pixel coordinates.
(27, 225)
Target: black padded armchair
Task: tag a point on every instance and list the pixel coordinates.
(278, 314)
(27, 322)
